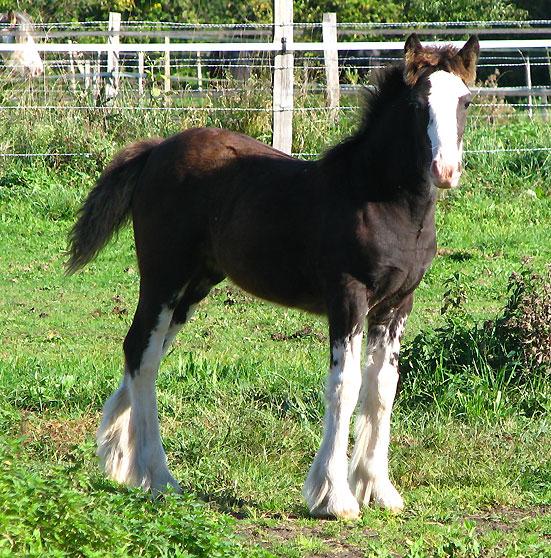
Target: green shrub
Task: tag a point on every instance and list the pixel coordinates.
(465, 367)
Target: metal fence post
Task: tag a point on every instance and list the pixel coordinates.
(529, 85)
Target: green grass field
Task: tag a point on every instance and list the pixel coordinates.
(240, 394)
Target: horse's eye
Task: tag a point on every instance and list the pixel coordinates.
(467, 104)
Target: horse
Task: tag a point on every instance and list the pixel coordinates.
(17, 30)
(348, 236)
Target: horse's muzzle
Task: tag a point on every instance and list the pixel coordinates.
(445, 175)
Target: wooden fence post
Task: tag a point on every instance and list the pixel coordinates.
(96, 90)
(331, 56)
(112, 85)
(141, 73)
(167, 65)
(529, 85)
(199, 72)
(283, 77)
(88, 78)
(72, 69)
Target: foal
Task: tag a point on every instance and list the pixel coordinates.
(349, 236)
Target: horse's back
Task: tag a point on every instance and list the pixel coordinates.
(199, 150)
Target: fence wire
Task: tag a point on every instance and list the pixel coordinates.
(160, 82)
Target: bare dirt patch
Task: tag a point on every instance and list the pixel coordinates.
(340, 541)
(506, 519)
(61, 434)
(333, 543)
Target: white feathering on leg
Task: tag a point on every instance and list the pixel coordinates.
(369, 477)
(326, 488)
(129, 442)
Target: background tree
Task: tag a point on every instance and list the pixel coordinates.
(537, 9)
(462, 10)
(236, 11)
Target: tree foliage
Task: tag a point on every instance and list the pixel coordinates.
(364, 11)
(537, 9)
(377, 11)
(461, 10)
(234, 11)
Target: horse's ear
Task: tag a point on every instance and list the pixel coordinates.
(12, 16)
(412, 46)
(469, 56)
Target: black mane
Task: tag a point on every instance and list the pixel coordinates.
(387, 85)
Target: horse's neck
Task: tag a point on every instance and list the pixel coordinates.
(387, 170)
(398, 155)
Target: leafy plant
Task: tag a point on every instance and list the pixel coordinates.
(465, 366)
(525, 326)
(66, 512)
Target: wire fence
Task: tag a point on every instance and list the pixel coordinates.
(513, 84)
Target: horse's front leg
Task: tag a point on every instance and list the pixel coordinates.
(369, 478)
(326, 489)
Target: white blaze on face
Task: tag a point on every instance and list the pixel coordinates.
(445, 95)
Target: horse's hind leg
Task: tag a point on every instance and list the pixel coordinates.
(129, 442)
(197, 289)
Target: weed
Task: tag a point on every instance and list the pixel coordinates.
(66, 512)
(465, 366)
(525, 326)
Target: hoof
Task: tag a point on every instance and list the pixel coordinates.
(167, 484)
(331, 512)
(382, 494)
(335, 504)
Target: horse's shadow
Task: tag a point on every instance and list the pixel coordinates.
(240, 508)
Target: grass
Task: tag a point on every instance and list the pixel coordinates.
(240, 395)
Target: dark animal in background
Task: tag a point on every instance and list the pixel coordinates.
(349, 236)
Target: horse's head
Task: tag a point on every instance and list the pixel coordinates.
(16, 28)
(438, 79)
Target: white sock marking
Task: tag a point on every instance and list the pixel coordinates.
(174, 328)
(369, 465)
(129, 441)
(326, 489)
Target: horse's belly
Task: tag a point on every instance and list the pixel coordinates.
(271, 272)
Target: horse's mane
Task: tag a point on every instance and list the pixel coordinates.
(387, 85)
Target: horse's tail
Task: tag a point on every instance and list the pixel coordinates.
(107, 207)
